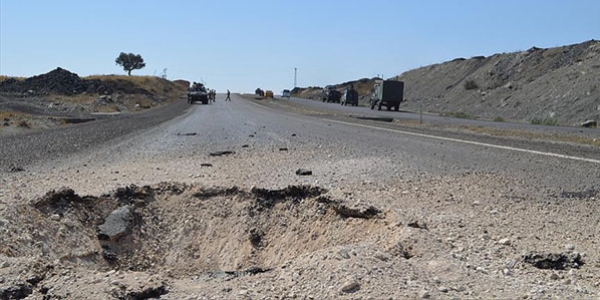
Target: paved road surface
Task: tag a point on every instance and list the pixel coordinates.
(333, 150)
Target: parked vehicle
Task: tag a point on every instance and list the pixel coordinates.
(331, 95)
(388, 93)
(259, 92)
(268, 94)
(350, 97)
(197, 92)
(286, 94)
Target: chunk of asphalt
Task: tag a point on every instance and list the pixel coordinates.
(221, 153)
(303, 172)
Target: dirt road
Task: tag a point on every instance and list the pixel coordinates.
(391, 214)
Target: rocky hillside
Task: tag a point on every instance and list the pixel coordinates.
(555, 85)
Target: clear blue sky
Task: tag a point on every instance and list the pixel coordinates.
(242, 45)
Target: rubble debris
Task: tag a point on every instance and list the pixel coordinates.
(554, 261)
(14, 169)
(205, 193)
(348, 212)
(221, 153)
(589, 124)
(303, 172)
(77, 120)
(18, 291)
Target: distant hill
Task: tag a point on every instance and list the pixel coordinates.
(560, 85)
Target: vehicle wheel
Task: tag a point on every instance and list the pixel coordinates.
(388, 107)
(323, 100)
(345, 103)
(397, 108)
(379, 106)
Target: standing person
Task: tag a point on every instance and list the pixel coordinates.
(228, 96)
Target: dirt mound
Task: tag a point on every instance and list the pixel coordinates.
(555, 84)
(58, 81)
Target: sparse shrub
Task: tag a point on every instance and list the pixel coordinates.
(498, 119)
(23, 124)
(470, 84)
(545, 122)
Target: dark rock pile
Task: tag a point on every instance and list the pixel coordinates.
(58, 81)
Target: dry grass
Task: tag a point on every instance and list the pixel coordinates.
(4, 77)
(139, 84)
(143, 90)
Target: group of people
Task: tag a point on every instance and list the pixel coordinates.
(212, 95)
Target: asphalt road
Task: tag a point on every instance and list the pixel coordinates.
(332, 149)
(437, 119)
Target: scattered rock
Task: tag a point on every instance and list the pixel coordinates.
(4, 264)
(504, 241)
(283, 149)
(425, 295)
(303, 172)
(570, 247)
(344, 253)
(55, 217)
(293, 134)
(187, 134)
(416, 224)
(245, 146)
(206, 165)
(350, 286)
(116, 224)
(554, 276)
(443, 289)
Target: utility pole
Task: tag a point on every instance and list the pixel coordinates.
(295, 77)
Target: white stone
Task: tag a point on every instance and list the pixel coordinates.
(55, 217)
(570, 247)
(504, 241)
(350, 286)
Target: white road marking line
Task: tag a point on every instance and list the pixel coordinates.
(590, 160)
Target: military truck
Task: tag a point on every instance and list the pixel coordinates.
(197, 92)
(388, 93)
(331, 95)
(350, 97)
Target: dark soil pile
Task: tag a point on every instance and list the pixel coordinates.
(58, 81)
